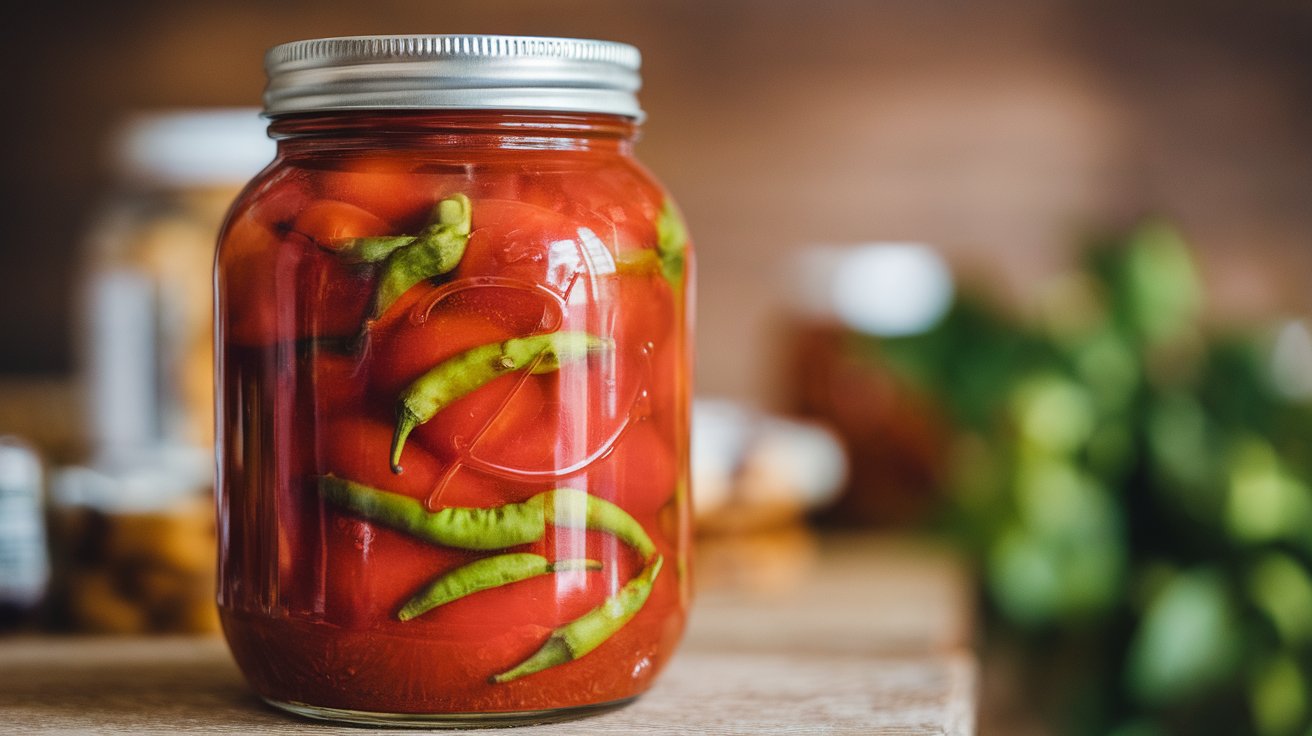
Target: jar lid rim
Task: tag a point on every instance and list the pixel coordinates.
(453, 71)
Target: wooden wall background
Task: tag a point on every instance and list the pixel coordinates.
(998, 130)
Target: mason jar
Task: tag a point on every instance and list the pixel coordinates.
(453, 322)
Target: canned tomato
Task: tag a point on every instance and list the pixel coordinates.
(452, 325)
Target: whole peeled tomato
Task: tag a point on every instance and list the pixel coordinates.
(614, 202)
(644, 469)
(386, 185)
(369, 570)
(248, 278)
(280, 288)
(528, 244)
(327, 222)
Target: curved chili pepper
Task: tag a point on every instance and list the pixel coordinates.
(474, 368)
(587, 632)
(463, 528)
(489, 572)
(575, 509)
(506, 526)
(497, 527)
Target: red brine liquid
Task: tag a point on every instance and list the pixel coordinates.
(566, 238)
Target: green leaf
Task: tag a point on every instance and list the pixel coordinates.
(1278, 696)
(1281, 587)
(1187, 642)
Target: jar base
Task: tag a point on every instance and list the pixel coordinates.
(449, 720)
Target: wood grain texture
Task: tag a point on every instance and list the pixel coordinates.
(876, 595)
(122, 686)
(855, 637)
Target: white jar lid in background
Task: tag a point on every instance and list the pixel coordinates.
(197, 147)
(882, 289)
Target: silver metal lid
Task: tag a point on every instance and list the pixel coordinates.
(464, 72)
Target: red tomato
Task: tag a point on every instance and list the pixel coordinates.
(511, 422)
(387, 186)
(276, 202)
(419, 333)
(328, 221)
(250, 273)
(282, 289)
(525, 243)
(505, 428)
(336, 295)
(334, 385)
(493, 181)
(620, 207)
(642, 470)
(369, 571)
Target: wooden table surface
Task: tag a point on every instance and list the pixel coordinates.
(842, 637)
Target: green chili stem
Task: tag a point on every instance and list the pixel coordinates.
(371, 249)
(587, 632)
(483, 574)
(467, 372)
(450, 213)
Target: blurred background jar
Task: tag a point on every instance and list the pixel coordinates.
(132, 525)
(846, 300)
(24, 559)
(133, 551)
(147, 291)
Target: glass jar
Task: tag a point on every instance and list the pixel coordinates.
(24, 557)
(453, 325)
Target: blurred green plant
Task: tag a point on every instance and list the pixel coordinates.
(1139, 493)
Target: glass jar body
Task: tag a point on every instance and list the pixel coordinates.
(453, 370)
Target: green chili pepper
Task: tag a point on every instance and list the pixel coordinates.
(437, 250)
(575, 509)
(489, 572)
(639, 262)
(671, 243)
(507, 526)
(667, 258)
(463, 528)
(497, 527)
(474, 368)
(587, 632)
(373, 249)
